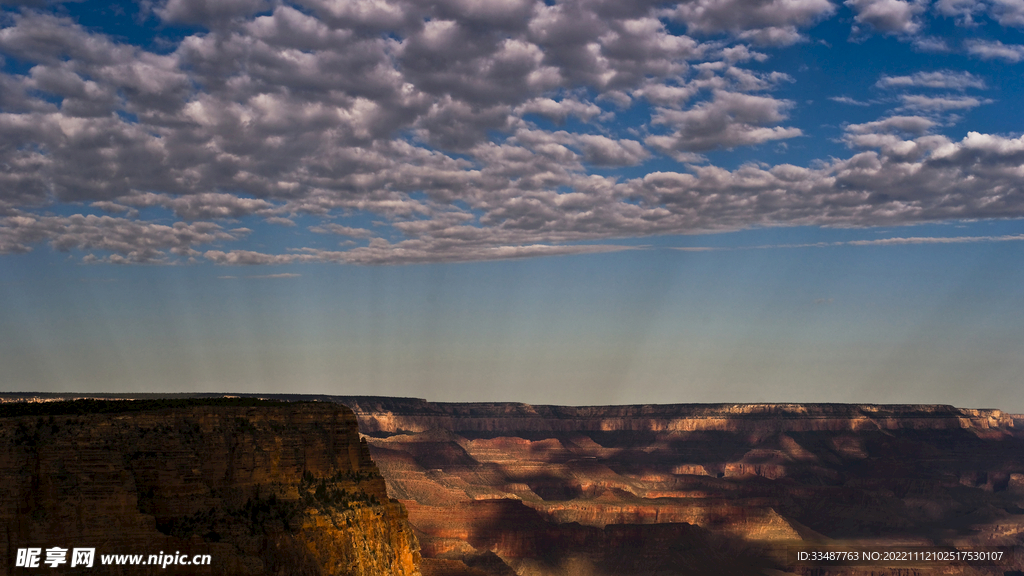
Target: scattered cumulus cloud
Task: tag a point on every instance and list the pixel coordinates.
(894, 124)
(127, 241)
(896, 241)
(943, 79)
(995, 50)
(937, 240)
(1008, 13)
(964, 11)
(729, 120)
(930, 44)
(457, 130)
(889, 16)
(916, 102)
(207, 12)
(766, 22)
(848, 100)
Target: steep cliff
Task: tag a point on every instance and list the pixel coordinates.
(263, 488)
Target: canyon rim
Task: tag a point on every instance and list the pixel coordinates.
(474, 489)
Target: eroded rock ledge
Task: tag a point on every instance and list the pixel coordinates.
(265, 488)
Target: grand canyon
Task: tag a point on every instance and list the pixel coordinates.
(513, 489)
(263, 488)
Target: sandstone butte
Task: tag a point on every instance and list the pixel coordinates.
(507, 489)
(265, 488)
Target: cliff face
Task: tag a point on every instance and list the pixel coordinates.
(283, 489)
(558, 491)
(392, 415)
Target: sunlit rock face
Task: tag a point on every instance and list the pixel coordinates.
(694, 489)
(264, 489)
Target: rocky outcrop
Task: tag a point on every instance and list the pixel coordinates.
(264, 488)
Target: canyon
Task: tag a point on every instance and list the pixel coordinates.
(506, 488)
(503, 489)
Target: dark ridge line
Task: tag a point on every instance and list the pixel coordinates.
(89, 406)
(532, 411)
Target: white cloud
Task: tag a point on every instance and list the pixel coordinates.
(963, 10)
(204, 206)
(891, 16)
(947, 79)
(773, 36)
(937, 240)
(1008, 12)
(604, 151)
(918, 103)
(728, 120)
(894, 124)
(893, 181)
(332, 228)
(208, 12)
(769, 22)
(410, 252)
(415, 116)
(128, 240)
(280, 221)
(930, 44)
(897, 241)
(248, 257)
(848, 100)
(995, 50)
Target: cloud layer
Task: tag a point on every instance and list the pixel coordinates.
(457, 130)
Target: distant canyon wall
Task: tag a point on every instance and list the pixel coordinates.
(395, 415)
(504, 488)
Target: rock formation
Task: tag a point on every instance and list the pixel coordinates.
(264, 488)
(704, 489)
(505, 489)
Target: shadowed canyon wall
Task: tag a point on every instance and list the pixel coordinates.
(264, 488)
(509, 488)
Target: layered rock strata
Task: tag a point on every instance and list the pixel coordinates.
(509, 489)
(264, 489)
(555, 491)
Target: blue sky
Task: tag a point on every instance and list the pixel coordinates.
(582, 202)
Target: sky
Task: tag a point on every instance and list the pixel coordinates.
(564, 202)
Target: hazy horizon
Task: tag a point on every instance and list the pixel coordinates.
(573, 202)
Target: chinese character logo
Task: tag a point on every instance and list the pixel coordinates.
(83, 557)
(28, 557)
(56, 556)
